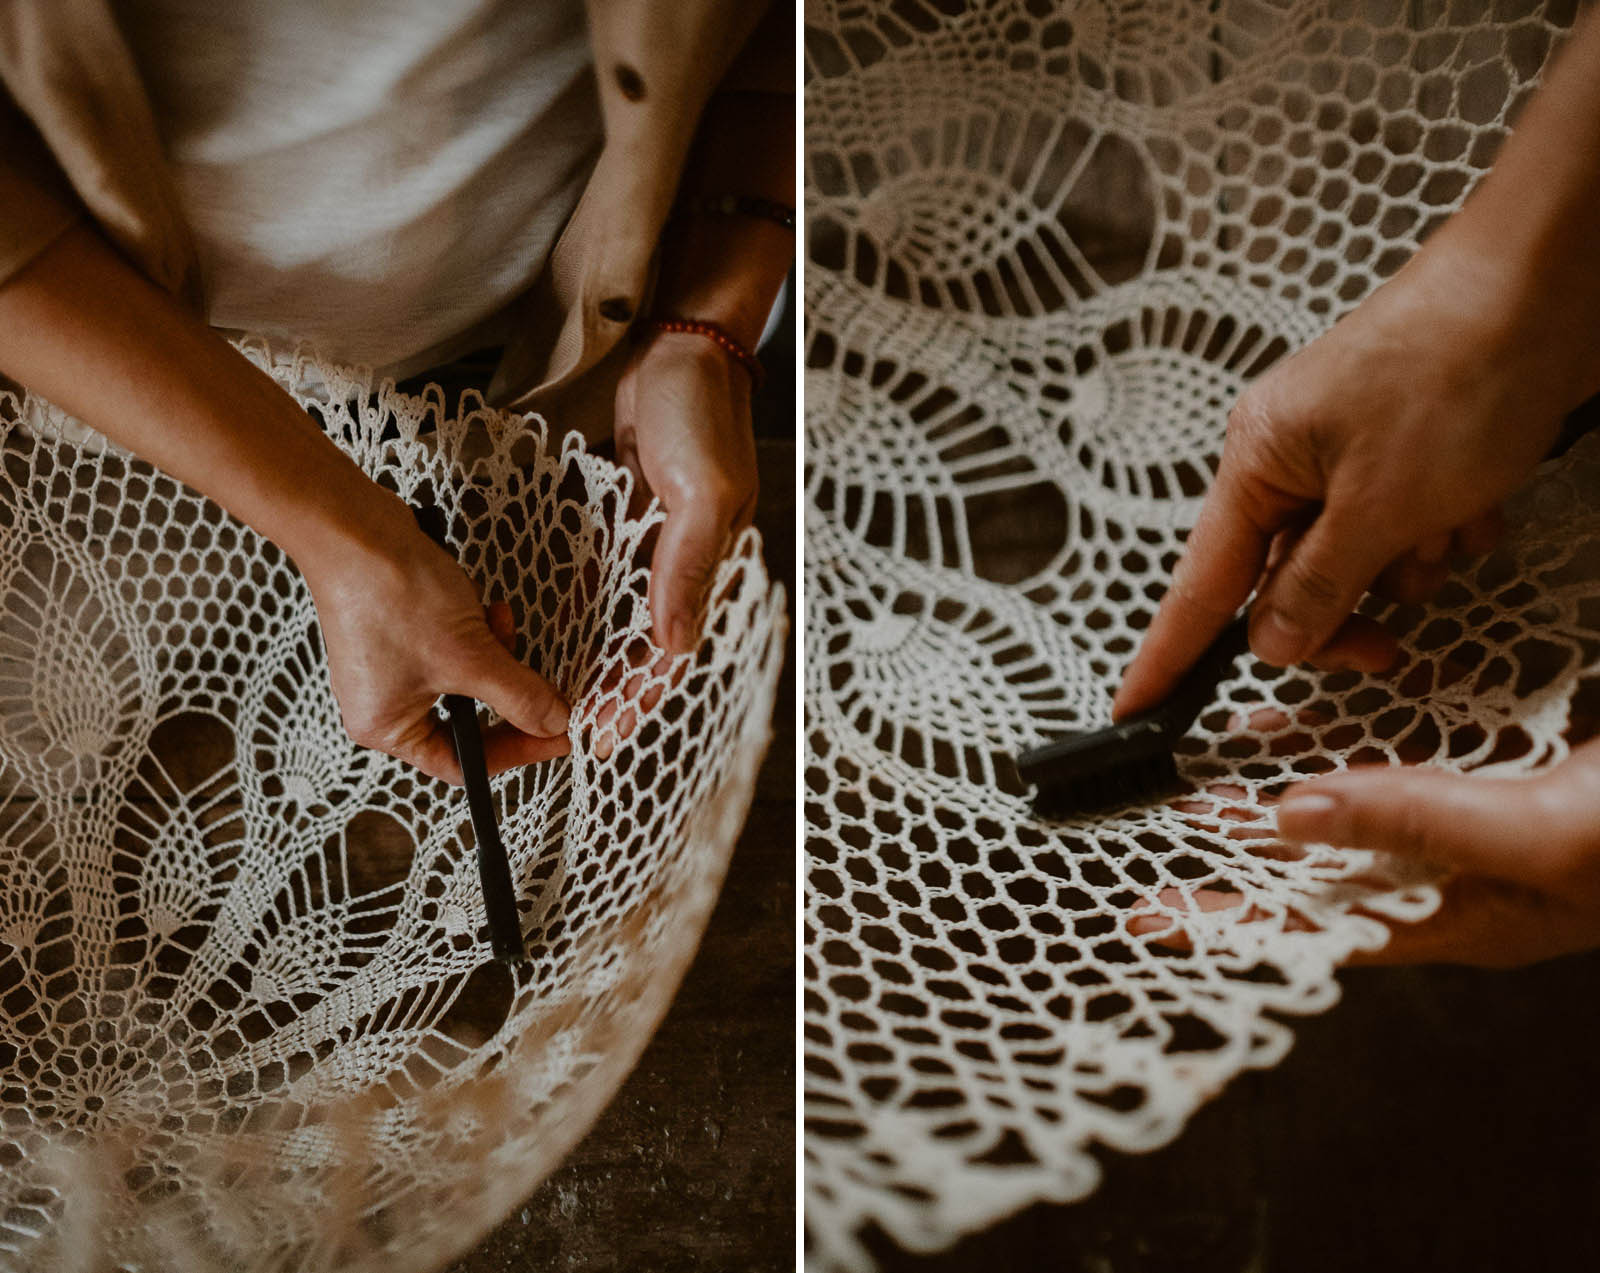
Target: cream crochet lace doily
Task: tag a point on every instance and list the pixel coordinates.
(1048, 245)
(248, 1014)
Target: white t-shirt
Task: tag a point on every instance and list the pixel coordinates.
(375, 177)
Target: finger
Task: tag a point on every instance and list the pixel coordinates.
(1411, 579)
(1315, 589)
(1220, 565)
(505, 747)
(614, 724)
(501, 623)
(1525, 831)
(434, 753)
(1360, 645)
(516, 691)
(1479, 537)
(692, 543)
(640, 495)
(1487, 924)
(1160, 923)
(625, 437)
(1269, 720)
(746, 515)
(1154, 921)
(618, 714)
(1285, 736)
(615, 718)
(604, 739)
(1284, 541)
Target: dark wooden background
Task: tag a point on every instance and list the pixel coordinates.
(1438, 1119)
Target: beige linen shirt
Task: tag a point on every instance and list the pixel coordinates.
(78, 137)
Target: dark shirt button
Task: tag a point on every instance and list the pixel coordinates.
(619, 309)
(630, 82)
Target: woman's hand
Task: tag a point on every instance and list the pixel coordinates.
(683, 404)
(400, 621)
(683, 428)
(1364, 459)
(1525, 854)
(1375, 450)
(403, 625)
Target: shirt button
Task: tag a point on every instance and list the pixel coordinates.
(630, 82)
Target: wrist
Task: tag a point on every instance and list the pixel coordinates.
(709, 342)
(341, 523)
(84, 330)
(726, 271)
(1516, 312)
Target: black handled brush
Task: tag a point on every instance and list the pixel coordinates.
(1131, 762)
(494, 870)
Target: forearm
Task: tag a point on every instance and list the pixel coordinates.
(84, 330)
(1530, 230)
(729, 269)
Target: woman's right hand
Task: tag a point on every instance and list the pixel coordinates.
(403, 625)
(1365, 457)
(1362, 462)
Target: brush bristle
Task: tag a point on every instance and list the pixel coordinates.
(1122, 782)
(1130, 762)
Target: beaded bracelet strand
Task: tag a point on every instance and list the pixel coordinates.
(717, 336)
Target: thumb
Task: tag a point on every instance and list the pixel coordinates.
(1529, 831)
(1221, 562)
(517, 692)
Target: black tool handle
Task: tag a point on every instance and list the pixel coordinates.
(1199, 684)
(494, 870)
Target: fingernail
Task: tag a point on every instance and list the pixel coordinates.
(554, 721)
(1307, 811)
(1278, 640)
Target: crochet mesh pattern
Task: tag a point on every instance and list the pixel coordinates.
(1049, 244)
(248, 1015)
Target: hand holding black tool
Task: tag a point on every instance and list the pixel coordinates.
(494, 871)
(1131, 761)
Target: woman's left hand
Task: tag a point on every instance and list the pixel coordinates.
(1524, 854)
(683, 429)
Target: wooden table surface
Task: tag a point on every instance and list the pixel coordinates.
(1438, 1119)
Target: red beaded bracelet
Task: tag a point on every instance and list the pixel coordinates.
(694, 327)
